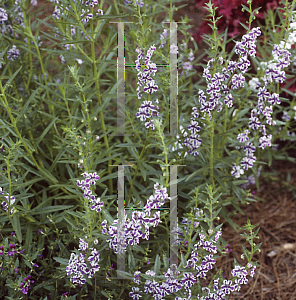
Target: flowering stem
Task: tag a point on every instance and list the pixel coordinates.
(160, 134)
(93, 55)
(212, 150)
(191, 227)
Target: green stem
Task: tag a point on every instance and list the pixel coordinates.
(21, 138)
(137, 170)
(95, 73)
(212, 150)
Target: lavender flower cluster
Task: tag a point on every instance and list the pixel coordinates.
(148, 109)
(185, 67)
(12, 252)
(13, 53)
(5, 204)
(202, 266)
(218, 90)
(90, 179)
(85, 16)
(218, 93)
(178, 231)
(19, 19)
(78, 266)
(135, 2)
(274, 73)
(133, 228)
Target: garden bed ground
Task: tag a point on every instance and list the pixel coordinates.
(276, 277)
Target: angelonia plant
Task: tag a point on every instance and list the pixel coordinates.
(59, 148)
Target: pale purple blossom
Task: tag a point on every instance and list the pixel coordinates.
(3, 16)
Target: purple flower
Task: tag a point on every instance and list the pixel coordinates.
(97, 205)
(227, 287)
(132, 228)
(239, 271)
(135, 294)
(83, 245)
(263, 94)
(56, 13)
(228, 100)
(237, 81)
(243, 137)
(138, 2)
(236, 171)
(62, 59)
(188, 280)
(247, 162)
(174, 49)
(265, 141)
(3, 16)
(254, 123)
(13, 53)
(274, 99)
(243, 64)
(1, 250)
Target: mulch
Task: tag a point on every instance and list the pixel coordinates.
(276, 276)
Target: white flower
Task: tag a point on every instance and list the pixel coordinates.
(283, 46)
(80, 61)
(254, 83)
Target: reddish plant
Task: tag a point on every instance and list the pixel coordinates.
(232, 15)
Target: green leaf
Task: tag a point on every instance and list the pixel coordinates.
(29, 236)
(123, 274)
(165, 261)
(224, 214)
(49, 209)
(183, 260)
(11, 78)
(44, 132)
(257, 247)
(26, 106)
(157, 264)
(62, 261)
(246, 8)
(48, 175)
(244, 26)
(15, 222)
(131, 261)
